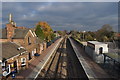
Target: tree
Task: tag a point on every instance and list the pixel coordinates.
(62, 33)
(59, 32)
(105, 32)
(47, 30)
(39, 32)
(88, 37)
(105, 39)
(53, 36)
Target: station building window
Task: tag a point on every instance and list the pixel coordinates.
(29, 40)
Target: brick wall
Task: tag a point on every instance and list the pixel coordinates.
(44, 45)
(18, 60)
(10, 31)
(3, 40)
(24, 42)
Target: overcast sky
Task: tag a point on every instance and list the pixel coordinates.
(63, 15)
(59, 0)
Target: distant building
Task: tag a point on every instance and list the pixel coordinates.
(56, 34)
(95, 49)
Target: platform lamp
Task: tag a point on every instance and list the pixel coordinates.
(83, 35)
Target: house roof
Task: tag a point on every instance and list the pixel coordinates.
(10, 49)
(20, 33)
(4, 33)
(96, 42)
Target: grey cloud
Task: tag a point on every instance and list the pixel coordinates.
(61, 1)
(79, 16)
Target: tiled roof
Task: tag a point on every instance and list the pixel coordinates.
(20, 33)
(4, 33)
(10, 49)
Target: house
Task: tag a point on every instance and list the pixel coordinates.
(27, 39)
(95, 49)
(20, 35)
(23, 37)
(56, 34)
(13, 58)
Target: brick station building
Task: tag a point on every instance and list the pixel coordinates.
(22, 36)
(18, 44)
(14, 58)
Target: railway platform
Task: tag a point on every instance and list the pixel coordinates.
(92, 69)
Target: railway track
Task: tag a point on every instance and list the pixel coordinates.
(53, 67)
(63, 64)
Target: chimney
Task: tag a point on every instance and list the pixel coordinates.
(10, 31)
(10, 18)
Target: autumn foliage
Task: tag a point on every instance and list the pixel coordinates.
(47, 30)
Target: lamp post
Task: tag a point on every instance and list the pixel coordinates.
(83, 35)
